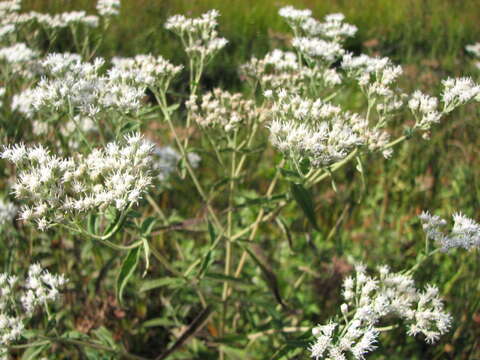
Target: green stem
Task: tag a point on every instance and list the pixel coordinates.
(124, 354)
(228, 249)
(164, 107)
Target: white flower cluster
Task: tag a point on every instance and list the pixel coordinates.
(58, 190)
(57, 21)
(474, 49)
(41, 287)
(222, 109)
(325, 51)
(153, 72)
(459, 91)
(464, 234)
(8, 10)
(17, 53)
(18, 301)
(320, 132)
(368, 300)
(333, 27)
(282, 70)
(375, 75)
(108, 7)
(425, 110)
(165, 161)
(294, 16)
(72, 86)
(322, 40)
(19, 59)
(199, 35)
(8, 211)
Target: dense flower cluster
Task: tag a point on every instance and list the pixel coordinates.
(319, 131)
(457, 92)
(199, 35)
(425, 110)
(377, 78)
(318, 41)
(464, 234)
(72, 87)
(10, 16)
(303, 125)
(19, 301)
(17, 53)
(222, 109)
(108, 7)
(58, 189)
(156, 73)
(474, 49)
(278, 69)
(19, 59)
(318, 49)
(368, 300)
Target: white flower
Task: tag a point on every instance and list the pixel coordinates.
(459, 91)
(424, 107)
(464, 234)
(294, 15)
(333, 28)
(40, 287)
(60, 189)
(72, 85)
(144, 70)
(17, 53)
(474, 49)
(199, 35)
(318, 131)
(326, 51)
(108, 7)
(371, 299)
(222, 109)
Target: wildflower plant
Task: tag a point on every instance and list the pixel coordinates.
(20, 300)
(113, 164)
(60, 191)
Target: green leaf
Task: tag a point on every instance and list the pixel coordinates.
(206, 262)
(34, 352)
(172, 108)
(146, 249)
(269, 275)
(147, 225)
(304, 199)
(158, 322)
(165, 281)
(290, 175)
(211, 232)
(126, 271)
(286, 231)
(234, 353)
(134, 214)
(92, 218)
(222, 277)
(105, 337)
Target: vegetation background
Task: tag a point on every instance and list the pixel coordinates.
(428, 38)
